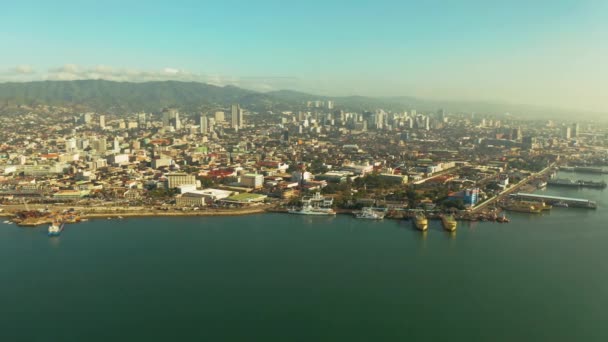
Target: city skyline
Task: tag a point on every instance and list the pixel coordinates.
(516, 53)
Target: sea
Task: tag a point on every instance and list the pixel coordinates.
(280, 277)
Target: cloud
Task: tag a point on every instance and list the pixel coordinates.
(77, 72)
(71, 72)
(23, 69)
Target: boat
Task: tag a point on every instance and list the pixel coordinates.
(563, 182)
(370, 214)
(449, 222)
(560, 204)
(502, 219)
(314, 205)
(523, 207)
(421, 222)
(56, 228)
(538, 204)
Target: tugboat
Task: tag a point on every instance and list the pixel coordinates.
(421, 222)
(370, 214)
(55, 229)
(449, 223)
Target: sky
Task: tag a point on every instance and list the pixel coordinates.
(546, 52)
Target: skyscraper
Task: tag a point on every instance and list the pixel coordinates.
(102, 121)
(204, 124)
(575, 129)
(237, 117)
(566, 132)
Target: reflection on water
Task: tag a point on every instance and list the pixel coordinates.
(55, 241)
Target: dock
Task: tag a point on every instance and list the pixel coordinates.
(572, 202)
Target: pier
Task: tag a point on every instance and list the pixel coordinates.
(572, 202)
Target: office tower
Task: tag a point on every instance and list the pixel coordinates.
(575, 130)
(566, 133)
(88, 118)
(203, 124)
(102, 121)
(380, 119)
(219, 116)
(99, 145)
(169, 116)
(516, 135)
(330, 104)
(237, 117)
(70, 145)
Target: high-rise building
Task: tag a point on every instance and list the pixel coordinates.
(168, 116)
(175, 121)
(203, 124)
(141, 120)
(99, 145)
(116, 145)
(566, 134)
(330, 104)
(237, 117)
(575, 129)
(219, 116)
(87, 118)
(102, 121)
(70, 145)
(516, 134)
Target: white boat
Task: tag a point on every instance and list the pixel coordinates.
(315, 205)
(56, 228)
(370, 214)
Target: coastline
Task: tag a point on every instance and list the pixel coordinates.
(122, 212)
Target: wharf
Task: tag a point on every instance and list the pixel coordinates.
(572, 202)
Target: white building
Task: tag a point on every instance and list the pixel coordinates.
(252, 180)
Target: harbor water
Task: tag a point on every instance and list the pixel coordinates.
(280, 277)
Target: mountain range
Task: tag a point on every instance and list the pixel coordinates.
(111, 96)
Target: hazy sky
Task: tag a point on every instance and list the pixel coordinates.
(547, 52)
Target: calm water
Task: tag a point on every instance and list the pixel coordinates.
(292, 278)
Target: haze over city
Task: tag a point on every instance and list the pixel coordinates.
(539, 53)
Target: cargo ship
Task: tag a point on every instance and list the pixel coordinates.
(584, 169)
(449, 222)
(577, 184)
(524, 207)
(370, 214)
(315, 205)
(421, 222)
(56, 228)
